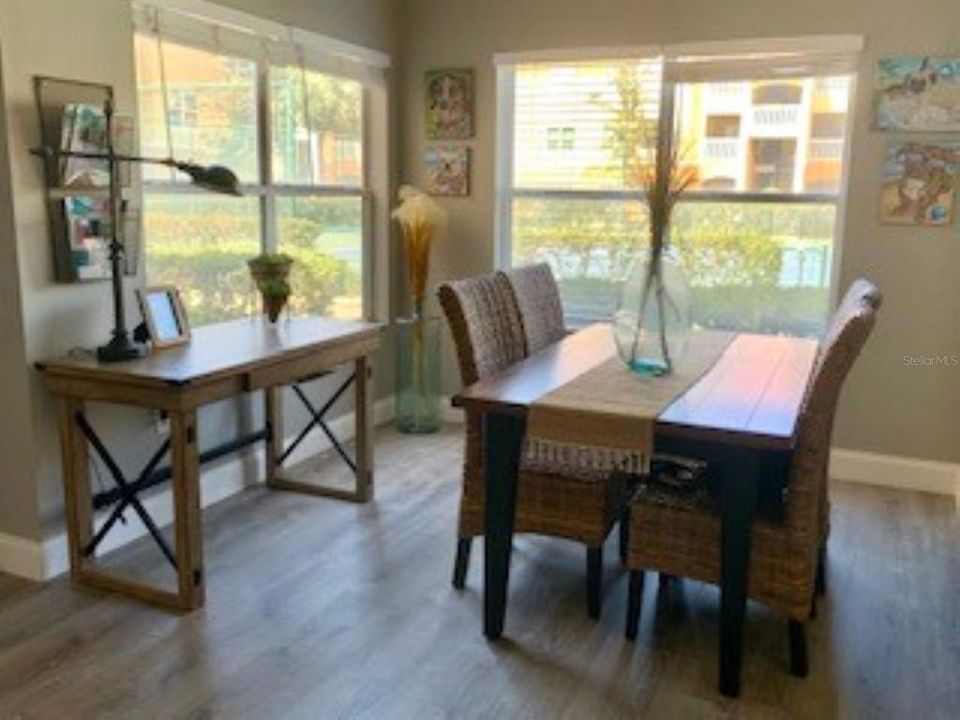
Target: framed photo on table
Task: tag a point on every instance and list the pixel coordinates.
(164, 315)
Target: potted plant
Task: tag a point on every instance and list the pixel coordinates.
(418, 338)
(270, 272)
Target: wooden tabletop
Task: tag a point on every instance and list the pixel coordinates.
(221, 349)
(752, 396)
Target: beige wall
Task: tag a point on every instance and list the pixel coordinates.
(91, 40)
(16, 468)
(887, 407)
(370, 23)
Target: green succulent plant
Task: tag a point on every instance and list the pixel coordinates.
(274, 288)
(277, 258)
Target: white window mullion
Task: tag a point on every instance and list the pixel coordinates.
(503, 228)
(268, 213)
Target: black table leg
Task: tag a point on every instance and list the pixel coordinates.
(502, 440)
(738, 487)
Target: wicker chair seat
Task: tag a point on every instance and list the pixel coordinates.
(583, 509)
(685, 541)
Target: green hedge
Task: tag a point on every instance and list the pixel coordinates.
(766, 309)
(206, 257)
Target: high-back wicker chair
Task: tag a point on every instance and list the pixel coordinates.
(860, 291)
(537, 298)
(685, 541)
(484, 320)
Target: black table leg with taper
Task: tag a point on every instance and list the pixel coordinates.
(502, 441)
(738, 473)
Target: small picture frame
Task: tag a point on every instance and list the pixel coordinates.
(164, 315)
(448, 171)
(449, 103)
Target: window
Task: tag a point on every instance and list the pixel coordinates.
(579, 208)
(777, 94)
(183, 108)
(561, 138)
(756, 231)
(303, 183)
(828, 125)
(771, 165)
(723, 126)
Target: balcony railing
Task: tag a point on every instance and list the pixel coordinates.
(826, 149)
(720, 149)
(769, 115)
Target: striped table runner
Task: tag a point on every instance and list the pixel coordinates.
(603, 420)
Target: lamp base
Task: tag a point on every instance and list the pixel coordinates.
(120, 348)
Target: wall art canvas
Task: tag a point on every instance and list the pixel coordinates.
(919, 183)
(84, 129)
(918, 94)
(88, 234)
(449, 104)
(448, 171)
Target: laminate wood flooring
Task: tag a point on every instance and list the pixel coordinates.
(324, 609)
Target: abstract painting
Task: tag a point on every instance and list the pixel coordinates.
(449, 104)
(88, 234)
(919, 183)
(918, 94)
(448, 171)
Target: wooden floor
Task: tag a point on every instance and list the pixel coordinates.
(322, 609)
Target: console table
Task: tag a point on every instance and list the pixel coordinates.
(219, 361)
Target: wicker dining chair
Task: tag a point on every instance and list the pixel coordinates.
(860, 291)
(487, 332)
(537, 298)
(685, 540)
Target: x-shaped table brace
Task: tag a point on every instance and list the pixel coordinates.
(128, 492)
(317, 420)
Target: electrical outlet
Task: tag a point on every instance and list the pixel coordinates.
(161, 422)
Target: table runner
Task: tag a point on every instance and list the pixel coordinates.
(603, 420)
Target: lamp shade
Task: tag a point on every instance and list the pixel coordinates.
(215, 178)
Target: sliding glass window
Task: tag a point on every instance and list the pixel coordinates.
(756, 232)
(295, 138)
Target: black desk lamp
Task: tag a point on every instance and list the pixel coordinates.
(214, 178)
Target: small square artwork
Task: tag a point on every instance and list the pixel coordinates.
(918, 94)
(919, 183)
(85, 130)
(449, 104)
(88, 234)
(448, 171)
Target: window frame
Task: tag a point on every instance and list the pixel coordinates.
(506, 193)
(268, 191)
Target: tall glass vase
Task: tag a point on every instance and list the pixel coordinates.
(418, 375)
(653, 317)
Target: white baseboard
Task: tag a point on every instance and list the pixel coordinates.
(44, 560)
(450, 413)
(21, 557)
(894, 471)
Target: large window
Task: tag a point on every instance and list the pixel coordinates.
(756, 232)
(294, 136)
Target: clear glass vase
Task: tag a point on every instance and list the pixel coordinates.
(418, 375)
(652, 321)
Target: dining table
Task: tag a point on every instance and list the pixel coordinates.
(740, 416)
